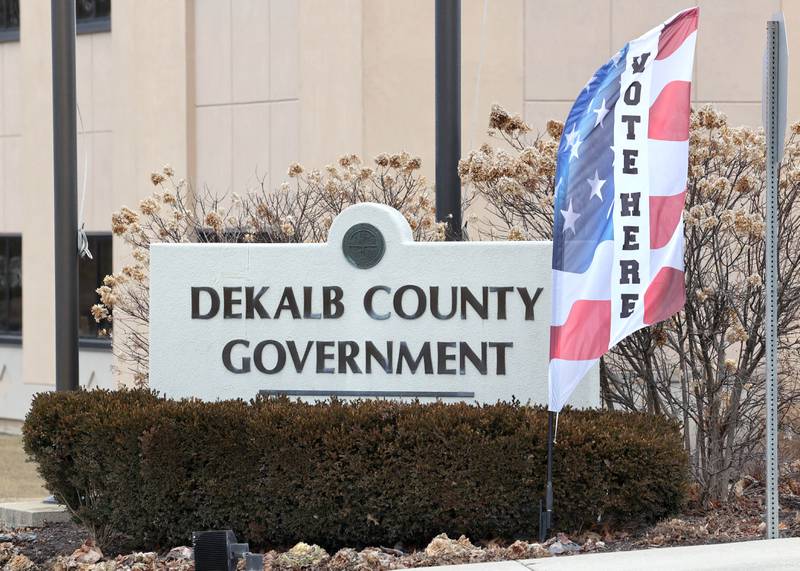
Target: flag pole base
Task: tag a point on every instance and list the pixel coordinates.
(546, 515)
(544, 522)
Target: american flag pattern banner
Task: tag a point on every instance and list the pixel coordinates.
(620, 189)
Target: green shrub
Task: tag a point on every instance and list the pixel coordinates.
(149, 471)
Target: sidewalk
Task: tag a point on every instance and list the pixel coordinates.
(744, 556)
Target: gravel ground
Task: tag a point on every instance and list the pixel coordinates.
(62, 547)
(66, 546)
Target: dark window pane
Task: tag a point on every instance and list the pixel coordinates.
(92, 16)
(9, 20)
(87, 280)
(3, 285)
(89, 9)
(9, 15)
(15, 285)
(10, 285)
(84, 9)
(90, 277)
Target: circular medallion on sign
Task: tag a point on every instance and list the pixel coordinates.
(363, 245)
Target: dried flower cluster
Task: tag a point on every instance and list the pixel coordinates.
(300, 210)
(704, 367)
(518, 182)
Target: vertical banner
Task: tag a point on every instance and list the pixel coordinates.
(620, 190)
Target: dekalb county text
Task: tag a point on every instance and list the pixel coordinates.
(380, 302)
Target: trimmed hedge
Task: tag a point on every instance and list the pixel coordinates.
(149, 471)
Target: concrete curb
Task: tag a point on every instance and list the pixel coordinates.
(32, 513)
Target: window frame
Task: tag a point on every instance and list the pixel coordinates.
(93, 25)
(12, 337)
(8, 36)
(84, 341)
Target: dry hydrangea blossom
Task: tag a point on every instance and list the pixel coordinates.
(300, 210)
(679, 368)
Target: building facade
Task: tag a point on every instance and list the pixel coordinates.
(230, 91)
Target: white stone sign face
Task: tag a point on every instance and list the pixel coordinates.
(370, 313)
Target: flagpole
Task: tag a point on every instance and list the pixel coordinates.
(546, 516)
(65, 178)
(448, 115)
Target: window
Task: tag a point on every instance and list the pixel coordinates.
(92, 16)
(9, 20)
(10, 288)
(90, 277)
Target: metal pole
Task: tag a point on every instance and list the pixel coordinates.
(546, 517)
(772, 132)
(65, 204)
(448, 115)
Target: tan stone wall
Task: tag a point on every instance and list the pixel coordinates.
(11, 206)
(35, 167)
(566, 40)
(151, 118)
(246, 106)
(230, 90)
(331, 76)
(96, 101)
(398, 74)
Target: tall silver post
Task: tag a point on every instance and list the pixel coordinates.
(774, 90)
(65, 204)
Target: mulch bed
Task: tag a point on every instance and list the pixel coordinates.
(63, 546)
(44, 543)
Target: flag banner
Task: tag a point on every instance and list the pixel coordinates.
(620, 189)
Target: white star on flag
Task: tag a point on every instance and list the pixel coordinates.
(570, 217)
(575, 146)
(601, 113)
(596, 183)
(571, 136)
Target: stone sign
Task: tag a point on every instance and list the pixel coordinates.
(370, 313)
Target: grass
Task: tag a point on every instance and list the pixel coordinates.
(18, 478)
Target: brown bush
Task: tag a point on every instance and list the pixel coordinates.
(148, 471)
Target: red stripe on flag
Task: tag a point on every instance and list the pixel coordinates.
(585, 334)
(665, 295)
(669, 114)
(665, 213)
(674, 33)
